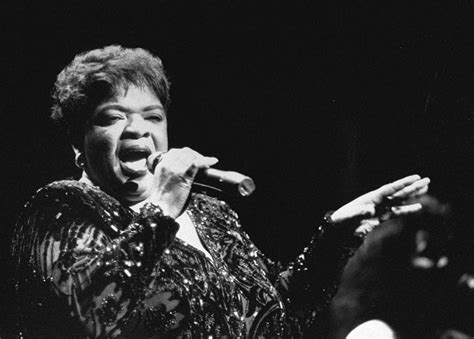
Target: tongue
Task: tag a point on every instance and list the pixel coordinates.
(134, 165)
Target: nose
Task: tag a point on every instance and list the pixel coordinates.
(136, 127)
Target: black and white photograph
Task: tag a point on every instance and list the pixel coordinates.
(237, 169)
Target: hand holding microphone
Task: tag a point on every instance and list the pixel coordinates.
(228, 182)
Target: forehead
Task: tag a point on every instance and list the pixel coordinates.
(133, 92)
(133, 97)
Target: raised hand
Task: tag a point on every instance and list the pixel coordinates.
(392, 199)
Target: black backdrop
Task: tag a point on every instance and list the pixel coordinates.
(317, 101)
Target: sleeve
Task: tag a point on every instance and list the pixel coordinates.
(87, 273)
(308, 284)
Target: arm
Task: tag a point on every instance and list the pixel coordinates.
(308, 283)
(312, 280)
(87, 268)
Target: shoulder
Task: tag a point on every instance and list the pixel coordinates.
(72, 200)
(65, 188)
(65, 192)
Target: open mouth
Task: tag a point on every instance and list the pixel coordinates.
(133, 160)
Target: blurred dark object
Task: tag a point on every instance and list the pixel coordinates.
(415, 273)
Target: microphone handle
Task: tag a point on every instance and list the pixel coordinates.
(229, 182)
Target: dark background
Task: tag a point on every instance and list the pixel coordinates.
(317, 101)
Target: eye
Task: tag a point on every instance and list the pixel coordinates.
(107, 118)
(154, 117)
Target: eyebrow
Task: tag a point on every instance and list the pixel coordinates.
(126, 109)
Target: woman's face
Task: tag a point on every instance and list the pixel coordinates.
(122, 133)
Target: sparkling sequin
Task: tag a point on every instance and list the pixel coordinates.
(103, 261)
(108, 310)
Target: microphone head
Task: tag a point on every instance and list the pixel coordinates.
(229, 182)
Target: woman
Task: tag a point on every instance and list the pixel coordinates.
(127, 250)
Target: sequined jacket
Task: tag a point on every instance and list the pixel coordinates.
(88, 266)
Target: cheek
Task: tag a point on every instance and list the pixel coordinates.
(160, 138)
(100, 145)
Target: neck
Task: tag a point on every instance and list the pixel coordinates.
(85, 179)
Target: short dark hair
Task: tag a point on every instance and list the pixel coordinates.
(97, 75)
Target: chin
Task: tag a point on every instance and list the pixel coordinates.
(136, 190)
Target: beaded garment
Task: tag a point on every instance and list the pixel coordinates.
(88, 266)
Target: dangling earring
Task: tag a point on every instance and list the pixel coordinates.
(79, 160)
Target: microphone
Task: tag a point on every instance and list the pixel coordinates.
(228, 182)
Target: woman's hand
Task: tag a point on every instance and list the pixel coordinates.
(174, 176)
(389, 200)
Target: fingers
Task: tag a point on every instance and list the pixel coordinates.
(384, 203)
(406, 209)
(153, 160)
(183, 162)
(421, 191)
(408, 187)
(395, 186)
(417, 188)
(366, 226)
